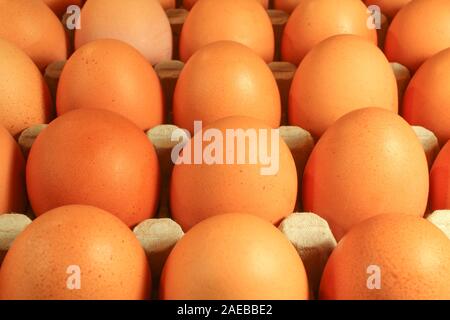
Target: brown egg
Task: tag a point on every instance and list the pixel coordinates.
(94, 157)
(59, 7)
(234, 257)
(315, 20)
(369, 162)
(389, 257)
(419, 30)
(223, 79)
(427, 99)
(234, 175)
(388, 7)
(24, 96)
(341, 74)
(75, 252)
(188, 4)
(109, 74)
(33, 27)
(12, 175)
(242, 21)
(140, 23)
(440, 180)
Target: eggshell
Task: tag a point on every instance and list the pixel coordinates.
(199, 191)
(109, 74)
(368, 163)
(140, 23)
(223, 79)
(24, 96)
(341, 74)
(388, 7)
(285, 5)
(188, 4)
(439, 180)
(315, 20)
(167, 4)
(59, 7)
(419, 30)
(427, 97)
(234, 257)
(12, 175)
(242, 21)
(34, 28)
(409, 256)
(94, 157)
(75, 241)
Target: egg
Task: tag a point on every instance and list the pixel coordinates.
(188, 4)
(368, 163)
(140, 23)
(242, 21)
(439, 180)
(24, 96)
(389, 257)
(315, 20)
(75, 253)
(223, 79)
(341, 74)
(59, 7)
(110, 74)
(167, 4)
(34, 28)
(234, 257)
(419, 30)
(427, 98)
(245, 167)
(388, 7)
(94, 157)
(286, 5)
(12, 175)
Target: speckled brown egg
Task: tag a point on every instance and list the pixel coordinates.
(24, 96)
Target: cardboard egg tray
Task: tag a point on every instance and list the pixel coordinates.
(309, 233)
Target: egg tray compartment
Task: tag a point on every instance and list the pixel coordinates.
(310, 234)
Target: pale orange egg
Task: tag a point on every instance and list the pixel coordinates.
(109, 74)
(315, 20)
(369, 162)
(242, 21)
(389, 257)
(34, 28)
(427, 98)
(440, 180)
(94, 157)
(234, 257)
(250, 170)
(140, 23)
(224, 79)
(12, 175)
(388, 7)
(188, 4)
(75, 253)
(24, 96)
(419, 30)
(341, 74)
(59, 7)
